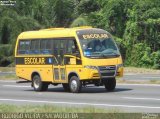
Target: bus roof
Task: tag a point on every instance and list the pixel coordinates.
(52, 32)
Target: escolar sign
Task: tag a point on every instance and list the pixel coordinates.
(91, 36)
(34, 60)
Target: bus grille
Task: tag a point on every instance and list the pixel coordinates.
(107, 71)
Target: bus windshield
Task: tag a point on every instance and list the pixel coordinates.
(98, 45)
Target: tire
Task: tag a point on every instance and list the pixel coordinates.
(66, 87)
(75, 84)
(110, 84)
(38, 85)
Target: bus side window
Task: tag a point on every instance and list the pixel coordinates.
(62, 50)
(35, 47)
(32, 47)
(27, 47)
(48, 46)
(21, 49)
(24, 47)
(72, 47)
(55, 49)
(69, 47)
(45, 46)
(42, 46)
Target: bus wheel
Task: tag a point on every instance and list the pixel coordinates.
(75, 84)
(110, 84)
(66, 87)
(38, 85)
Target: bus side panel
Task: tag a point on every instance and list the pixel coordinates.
(21, 72)
(83, 73)
(26, 71)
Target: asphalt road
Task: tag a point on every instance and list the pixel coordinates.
(126, 97)
(141, 76)
(127, 76)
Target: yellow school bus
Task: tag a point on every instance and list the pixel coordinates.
(73, 57)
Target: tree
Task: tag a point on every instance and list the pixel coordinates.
(134, 24)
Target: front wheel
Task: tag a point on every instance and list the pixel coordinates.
(38, 85)
(75, 84)
(110, 84)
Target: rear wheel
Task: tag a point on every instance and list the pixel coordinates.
(110, 84)
(66, 87)
(75, 84)
(38, 85)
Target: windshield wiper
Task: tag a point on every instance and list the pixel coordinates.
(117, 55)
(103, 55)
(110, 55)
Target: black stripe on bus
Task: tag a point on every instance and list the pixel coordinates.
(35, 60)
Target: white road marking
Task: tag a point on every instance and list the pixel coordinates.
(8, 81)
(152, 77)
(78, 103)
(135, 98)
(140, 84)
(130, 74)
(22, 86)
(16, 86)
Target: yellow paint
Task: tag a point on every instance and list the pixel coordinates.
(36, 63)
(72, 61)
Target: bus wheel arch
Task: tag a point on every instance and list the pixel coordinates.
(33, 74)
(75, 84)
(37, 82)
(72, 74)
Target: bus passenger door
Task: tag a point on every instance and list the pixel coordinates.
(59, 69)
(59, 74)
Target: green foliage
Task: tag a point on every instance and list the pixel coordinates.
(134, 24)
(87, 6)
(80, 21)
(143, 27)
(155, 58)
(115, 15)
(61, 12)
(5, 55)
(4, 108)
(140, 55)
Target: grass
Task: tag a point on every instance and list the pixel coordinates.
(11, 76)
(5, 108)
(79, 112)
(141, 70)
(7, 69)
(121, 81)
(152, 81)
(8, 77)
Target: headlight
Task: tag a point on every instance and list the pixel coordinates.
(119, 66)
(91, 67)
